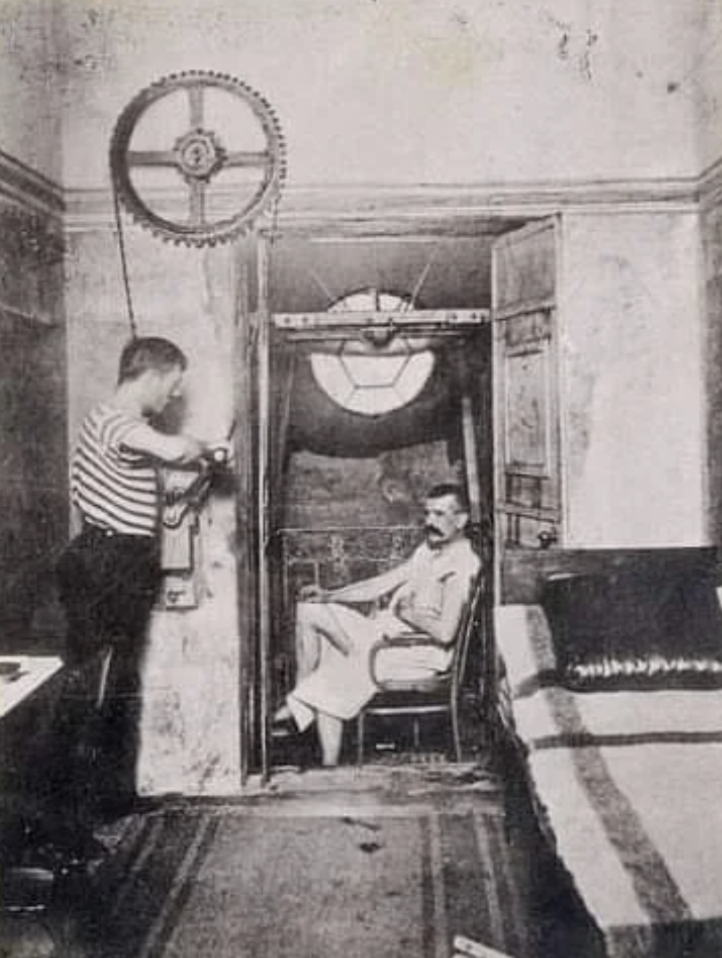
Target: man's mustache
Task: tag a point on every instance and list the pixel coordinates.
(428, 529)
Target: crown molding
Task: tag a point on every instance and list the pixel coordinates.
(465, 209)
(710, 184)
(396, 209)
(28, 188)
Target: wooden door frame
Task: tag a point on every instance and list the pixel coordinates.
(475, 319)
(255, 732)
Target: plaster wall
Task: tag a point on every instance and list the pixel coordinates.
(705, 80)
(632, 362)
(190, 702)
(30, 80)
(410, 91)
(33, 438)
(33, 368)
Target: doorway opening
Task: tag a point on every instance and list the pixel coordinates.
(377, 385)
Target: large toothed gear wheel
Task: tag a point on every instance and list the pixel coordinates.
(228, 180)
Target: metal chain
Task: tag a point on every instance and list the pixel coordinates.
(272, 236)
(124, 263)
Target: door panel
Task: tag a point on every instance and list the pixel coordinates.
(524, 268)
(527, 457)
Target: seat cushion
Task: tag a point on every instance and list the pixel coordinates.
(631, 630)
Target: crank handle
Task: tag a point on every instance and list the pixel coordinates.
(218, 455)
(547, 538)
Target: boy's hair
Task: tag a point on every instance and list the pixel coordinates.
(450, 489)
(149, 352)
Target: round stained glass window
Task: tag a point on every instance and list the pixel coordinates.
(374, 374)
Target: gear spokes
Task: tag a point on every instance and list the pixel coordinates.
(202, 159)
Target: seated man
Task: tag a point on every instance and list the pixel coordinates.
(426, 593)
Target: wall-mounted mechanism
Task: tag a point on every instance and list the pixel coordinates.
(231, 177)
(197, 158)
(184, 496)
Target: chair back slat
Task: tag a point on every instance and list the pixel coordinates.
(471, 619)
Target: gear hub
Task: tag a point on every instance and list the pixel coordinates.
(199, 155)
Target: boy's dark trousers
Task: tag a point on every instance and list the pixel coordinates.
(107, 584)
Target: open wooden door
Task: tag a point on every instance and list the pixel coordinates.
(528, 491)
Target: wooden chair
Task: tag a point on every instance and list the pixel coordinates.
(433, 695)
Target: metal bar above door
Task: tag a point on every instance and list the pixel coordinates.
(338, 322)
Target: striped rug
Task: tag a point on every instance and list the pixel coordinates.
(320, 876)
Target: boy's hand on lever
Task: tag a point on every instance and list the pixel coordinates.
(218, 453)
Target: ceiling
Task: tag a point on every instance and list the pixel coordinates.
(441, 271)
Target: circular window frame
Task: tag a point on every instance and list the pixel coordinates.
(368, 374)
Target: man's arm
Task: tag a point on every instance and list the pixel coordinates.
(441, 624)
(366, 590)
(174, 450)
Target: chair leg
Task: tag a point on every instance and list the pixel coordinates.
(360, 738)
(456, 731)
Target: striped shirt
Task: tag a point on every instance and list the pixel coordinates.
(112, 486)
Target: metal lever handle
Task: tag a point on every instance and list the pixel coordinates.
(547, 538)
